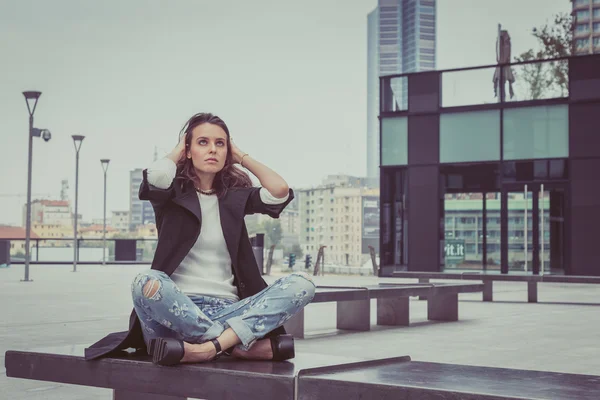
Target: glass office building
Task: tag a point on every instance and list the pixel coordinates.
(473, 179)
(400, 39)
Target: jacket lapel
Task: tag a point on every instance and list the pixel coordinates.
(188, 199)
(231, 210)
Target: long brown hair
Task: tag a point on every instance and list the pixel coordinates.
(229, 177)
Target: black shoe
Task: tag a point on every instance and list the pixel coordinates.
(166, 351)
(283, 347)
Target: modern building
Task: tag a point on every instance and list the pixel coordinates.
(586, 26)
(140, 211)
(400, 39)
(508, 185)
(343, 216)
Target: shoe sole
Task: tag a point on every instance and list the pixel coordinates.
(158, 349)
(151, 347)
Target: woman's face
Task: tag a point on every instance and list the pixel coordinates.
(208, 148)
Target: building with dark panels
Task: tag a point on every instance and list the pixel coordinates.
(473, 181)
(400, 39)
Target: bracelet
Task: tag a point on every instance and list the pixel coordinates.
(242, 159)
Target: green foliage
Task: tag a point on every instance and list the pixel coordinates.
(555, 40)
(536, 77)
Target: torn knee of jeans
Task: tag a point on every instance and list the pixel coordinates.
(151, 288)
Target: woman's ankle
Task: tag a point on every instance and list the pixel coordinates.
(198, 352)
(260, 351)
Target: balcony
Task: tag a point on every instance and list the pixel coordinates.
(434, 91)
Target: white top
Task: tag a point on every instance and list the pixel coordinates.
(206, 270)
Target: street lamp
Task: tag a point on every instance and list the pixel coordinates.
(104, 163)
(31, 96)
(77, 139)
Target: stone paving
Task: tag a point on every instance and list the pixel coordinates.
(63, 308)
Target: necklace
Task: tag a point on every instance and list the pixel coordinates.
(206, 192)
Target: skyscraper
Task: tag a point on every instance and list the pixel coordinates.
(586, 33)
(401, 38)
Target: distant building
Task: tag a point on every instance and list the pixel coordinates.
(147, 231)
(140, 211)
(53, 231)
(53, 212)
(18, 233)
(120, 220)
(342, 215)
(97, 231)
(290, 222)
(586, 26)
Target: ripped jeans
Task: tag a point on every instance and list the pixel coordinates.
(165, 311)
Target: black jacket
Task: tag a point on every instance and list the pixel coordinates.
(178, 221)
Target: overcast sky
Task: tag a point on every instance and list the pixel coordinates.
(288, 77)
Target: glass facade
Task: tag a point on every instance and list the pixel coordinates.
(507, 186)
(401, 38)
(394, 141)
(536, 132)
(470, 136)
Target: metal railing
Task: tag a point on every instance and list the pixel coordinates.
(89, 250)
(479, 85)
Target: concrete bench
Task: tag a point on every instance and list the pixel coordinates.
(307, 377)
(489, 278)
(407, 380)
(135, 377)
(354, 304)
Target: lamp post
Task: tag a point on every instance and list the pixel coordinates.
(31, 96)
(77, 139)
(104, 163)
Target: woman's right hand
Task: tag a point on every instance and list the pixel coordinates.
(178, 153)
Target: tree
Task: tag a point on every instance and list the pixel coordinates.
(273, 234)
(296, 249)
(556, 40)
(536, 77)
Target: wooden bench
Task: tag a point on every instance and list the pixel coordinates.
(354, 304)
(489, 278)
(135, 377)
(407, 380)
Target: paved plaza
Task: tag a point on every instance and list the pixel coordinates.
(62, 308)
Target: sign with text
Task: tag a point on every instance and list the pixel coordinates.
(454, 251)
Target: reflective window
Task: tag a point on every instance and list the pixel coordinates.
(394, 141)
(470, 136)
(536, 132)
